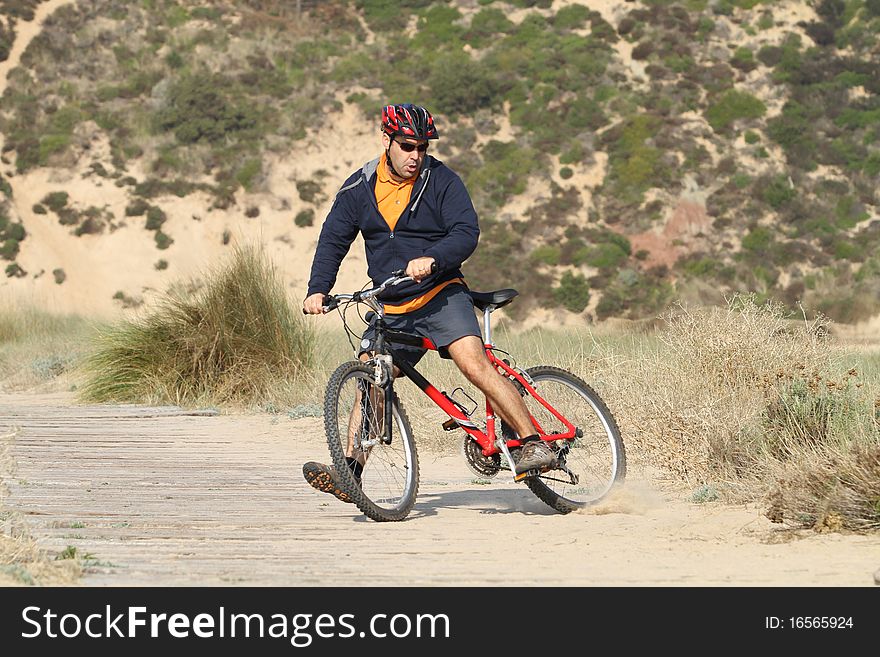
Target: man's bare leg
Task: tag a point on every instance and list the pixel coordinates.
(469, 355)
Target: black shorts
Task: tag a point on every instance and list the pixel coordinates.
(443, 320)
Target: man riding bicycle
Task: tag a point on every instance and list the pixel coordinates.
(415, 213)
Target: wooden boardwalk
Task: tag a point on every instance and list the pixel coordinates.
(165, 497)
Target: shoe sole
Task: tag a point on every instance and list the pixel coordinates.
(545, 465)
(322, 481)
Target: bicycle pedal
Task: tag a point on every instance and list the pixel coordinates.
(450, 425)
(528, 474)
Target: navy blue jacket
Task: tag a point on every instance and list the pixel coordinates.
(440, 221)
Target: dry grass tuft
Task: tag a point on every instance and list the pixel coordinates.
(237, 342)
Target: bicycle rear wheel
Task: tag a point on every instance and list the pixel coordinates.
(597, 458)
(354, 420)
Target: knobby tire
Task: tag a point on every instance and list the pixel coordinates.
(390, 479)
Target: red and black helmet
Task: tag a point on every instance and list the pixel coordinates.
(408, 120)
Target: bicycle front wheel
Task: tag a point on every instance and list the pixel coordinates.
(354, 419)
(595, 460)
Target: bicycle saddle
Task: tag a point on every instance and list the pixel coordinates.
(492, 300)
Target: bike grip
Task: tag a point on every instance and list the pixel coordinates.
(329, 304)
(434, 267)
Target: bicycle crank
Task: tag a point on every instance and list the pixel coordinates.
(480, 465)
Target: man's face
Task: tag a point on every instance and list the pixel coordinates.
(407, 164)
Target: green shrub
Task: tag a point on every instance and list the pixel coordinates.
(758, 240)
(793, 129)
(59, 276)
(505, 171)
(765, 21)
(310, 191)
(733, 106)
(573, 292)
(55, 200)
(575, 154)
(197, 110)
(137, 208)
(9, 249)
(634, 295)
(248, 173)
(778, 192)
(487, 23)
(304, 218)
(743, 59)
(155, 218)
(571, 17)
(606, 256)
(163, 241)
(565, 173)
(847, 251)
(439, 27)
(634, 164)
(699, 267)
(546, 254)
(460, 85)
(13, 232)
(174, 60)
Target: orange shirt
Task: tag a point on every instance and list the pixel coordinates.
(392, 197)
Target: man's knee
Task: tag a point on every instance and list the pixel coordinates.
(473, 363)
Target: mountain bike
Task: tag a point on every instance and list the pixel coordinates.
(365, 420)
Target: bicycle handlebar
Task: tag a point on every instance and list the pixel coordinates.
(398, 276)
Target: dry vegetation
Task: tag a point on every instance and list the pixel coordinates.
(745, 401)
(234, 342)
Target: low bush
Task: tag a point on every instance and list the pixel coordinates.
(731, 107)
(237, 341)
(573, 292)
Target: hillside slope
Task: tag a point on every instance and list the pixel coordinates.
(622, 155)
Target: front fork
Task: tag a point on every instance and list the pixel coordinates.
(383, 374)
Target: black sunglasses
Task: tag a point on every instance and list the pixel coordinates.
(409, 148)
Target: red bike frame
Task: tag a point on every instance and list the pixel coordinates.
(485, 440)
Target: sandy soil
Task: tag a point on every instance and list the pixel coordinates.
(157, 496)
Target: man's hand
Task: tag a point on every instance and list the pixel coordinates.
(313, 305)
(419, 268)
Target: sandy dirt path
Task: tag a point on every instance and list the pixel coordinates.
(160, 497)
